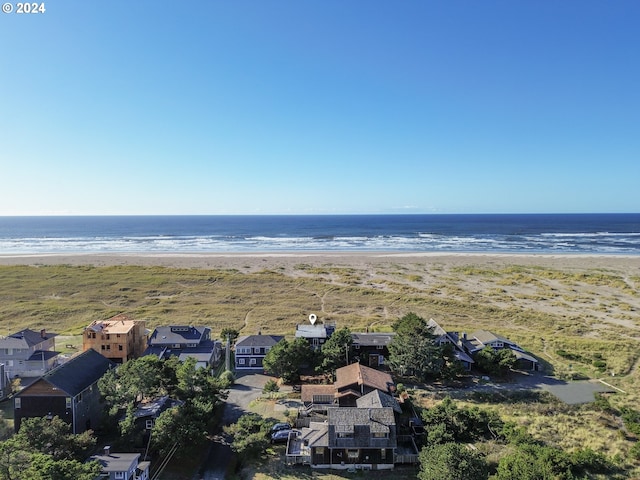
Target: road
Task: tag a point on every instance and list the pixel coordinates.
(246, 389)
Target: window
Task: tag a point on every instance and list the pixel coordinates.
(68, 403)
(102, 347)
(379, 435)
(383, 454)
(345, 435)
(108, 347)
(148, 424)
(353, 453)
(118, 475)
(357, 347)
(120, 347)
(252, 361)
(240, 361)
(380, 347)
(18, 402)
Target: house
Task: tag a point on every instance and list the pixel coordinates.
(250, 350)
(451, 338)
(122, 466)
(5, 383)
(482, 338)
(378, 399)
(119, 339)
(353, 438)
(69, 391)
(147, 413)
(316, 335)
(185, 341)
(356, 380)
(28, 353)
(372, 348)
(318, 398)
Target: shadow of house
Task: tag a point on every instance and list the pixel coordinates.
(69, 391)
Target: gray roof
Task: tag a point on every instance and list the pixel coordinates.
(80, 372)
(378, 399)
(179, 334)
(258, 340)
(156, 407)
(316, 435)
(25, 339)
(311, 331)
(372, 339)
(361, 423)
(117, 462)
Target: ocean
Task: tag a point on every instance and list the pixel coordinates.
(601, 234)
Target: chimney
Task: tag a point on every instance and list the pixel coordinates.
(43, 333)
(107, 450)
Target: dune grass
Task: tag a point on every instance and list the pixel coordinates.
(583, 321)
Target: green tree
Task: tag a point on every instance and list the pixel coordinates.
(495, 362)
(53, 437)
(232, 333)
(447, 422)
(14, 459)
(451, 461)
(250, 434)
(134, 381)
(336, 351)
(413, 350)
(285, 358)
(44, 467)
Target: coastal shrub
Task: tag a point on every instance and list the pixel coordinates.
(227, 378)
(601, 365)
(631, 419)
(271, 386)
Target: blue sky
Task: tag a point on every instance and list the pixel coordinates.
(333, 106)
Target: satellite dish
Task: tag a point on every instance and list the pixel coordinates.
(313, 318)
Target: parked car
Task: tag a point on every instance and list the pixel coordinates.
(282, 436)
(280, 426)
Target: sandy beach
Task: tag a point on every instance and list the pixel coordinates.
(268, 260)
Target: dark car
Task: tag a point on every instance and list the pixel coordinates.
(280, 426)
(281, 436)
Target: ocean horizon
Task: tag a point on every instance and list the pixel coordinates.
(602, 234)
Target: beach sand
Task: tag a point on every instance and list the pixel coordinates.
(268, 260)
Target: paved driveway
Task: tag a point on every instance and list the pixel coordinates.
(246, 389)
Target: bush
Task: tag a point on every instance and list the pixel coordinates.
(227, 378)
(270, 387)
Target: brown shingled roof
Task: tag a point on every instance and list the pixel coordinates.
(357, 373)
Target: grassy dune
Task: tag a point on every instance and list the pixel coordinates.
(577, 317)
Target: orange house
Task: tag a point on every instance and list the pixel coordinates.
(119, 339)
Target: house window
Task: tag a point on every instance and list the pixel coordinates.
(108, 347)
(379, 435)
(118, 475)
(345, 435)
(380, 347)
(18, 402)
(383, 454)
(148, 424)
(357, 347)
(68, 403)
(252, 361)
(353, 453)
(240, 361)
(102, 347)
(120, 347)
